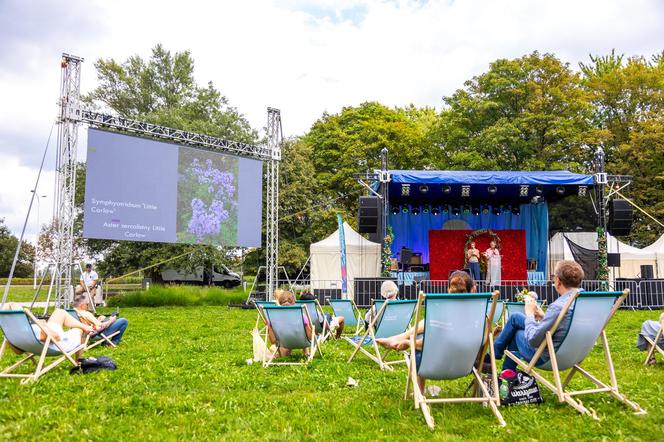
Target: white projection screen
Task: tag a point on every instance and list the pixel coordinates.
(138, 189)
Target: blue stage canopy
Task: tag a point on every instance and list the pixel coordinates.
(549, 177)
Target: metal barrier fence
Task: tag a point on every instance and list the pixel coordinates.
(644, 294)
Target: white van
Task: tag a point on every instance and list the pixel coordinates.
(220, 276)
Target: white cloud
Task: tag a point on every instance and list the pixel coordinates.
(302, 56)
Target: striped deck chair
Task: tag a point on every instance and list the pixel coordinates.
(350, 312)
(393, 318)
(591, 312)
(288, 326)
(102, 336)
(17, 329)
(654, 344)
(318, 316)
(456, 332)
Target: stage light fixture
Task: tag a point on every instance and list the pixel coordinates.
(560, 190)
(466, 209)
(405, 190)
(492, 189)
(404, 209)
(523, 190)
(426, 209)
(516, 211)
(447, 189)
(424, 188)
(485, 210)
(497, 210)
(446, 209)
(395, 210)
(539, 189)
(435, 211)
(583, 190)
(476, 210)
(456, 211)
(536, 199)
(465, 191)
(416, 211)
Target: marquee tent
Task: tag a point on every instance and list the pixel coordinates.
(362, 260)
(631, 258)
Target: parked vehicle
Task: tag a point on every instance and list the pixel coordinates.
(219, 275)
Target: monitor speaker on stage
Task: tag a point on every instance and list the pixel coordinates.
(647, 271)
(369, 213)
(613, 259)
(620, 217)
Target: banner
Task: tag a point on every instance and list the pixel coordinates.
(342, 250)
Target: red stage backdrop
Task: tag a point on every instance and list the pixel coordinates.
(446, 252)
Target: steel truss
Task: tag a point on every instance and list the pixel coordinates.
(73, 113)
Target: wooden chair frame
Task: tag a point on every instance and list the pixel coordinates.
(653, 345)
(268, 357)
(481, 394)
(102, 336)
(560, 387)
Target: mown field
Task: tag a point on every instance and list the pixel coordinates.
(182, 375)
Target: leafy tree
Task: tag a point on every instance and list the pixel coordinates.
(26, 257)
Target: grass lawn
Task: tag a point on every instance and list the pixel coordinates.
(182, 375)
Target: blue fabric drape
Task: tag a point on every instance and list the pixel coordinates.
(412, 231)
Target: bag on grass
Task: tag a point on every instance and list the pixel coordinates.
(259, 346)
(519, 389)
(90, 365)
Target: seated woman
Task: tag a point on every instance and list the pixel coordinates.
(460, 282)
(108, 325)
(389, 291)
(650, 329)
(285, 298)
(335, 324)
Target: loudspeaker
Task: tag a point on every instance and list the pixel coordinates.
(613, 259)
(646, 272)
(620, 217)
(368, 214)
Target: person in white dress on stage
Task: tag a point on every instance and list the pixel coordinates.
(492, 255)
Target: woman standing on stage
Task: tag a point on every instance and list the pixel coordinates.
(492, 255)
(473, 256)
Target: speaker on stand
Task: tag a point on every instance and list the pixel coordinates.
(621, 215)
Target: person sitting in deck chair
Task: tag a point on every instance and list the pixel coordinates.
(389, 291)
(109, 325)
(523, 333)
(286, 298)
(335, 324)
(651, 338)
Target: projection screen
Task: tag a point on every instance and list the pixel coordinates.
(138, 189)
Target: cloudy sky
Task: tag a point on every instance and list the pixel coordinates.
(301, 56)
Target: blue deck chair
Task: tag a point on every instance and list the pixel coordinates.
(260, 318)
(499, 312)
(654, 344)
(102, 336)
(513, 307)
(288, 326)
(318, 316)
(18, 332)
(350, 312)
(393, 318)
(456, 333)
(591, 312)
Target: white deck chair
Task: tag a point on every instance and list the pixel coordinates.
(18, 332)
(350, 312)
(288, 326)
(591, 312)
(456, 333)
(393, 318)
(654, 344)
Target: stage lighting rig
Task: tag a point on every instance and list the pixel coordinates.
(405, 190)
(456, 211)
(497, 210)
(395, 210)
(465, 191)
(424, 188)
(492, 189)
(446, 209)
(447, 190)
(516, 210)
(539, 190)
(560, 190)
(435, 211)
(404, 209)
(425, 209)
(476, 210)
(583, 190)
(523, 190)
(416, 211)
(485, 210)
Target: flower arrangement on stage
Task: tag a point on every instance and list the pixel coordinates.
(471, 238)
(207, 199)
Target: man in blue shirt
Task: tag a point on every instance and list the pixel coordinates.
(523, 334)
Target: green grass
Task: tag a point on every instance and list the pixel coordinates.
(160, 296)
(23, 293)
(182, 375)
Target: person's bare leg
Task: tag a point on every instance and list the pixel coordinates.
(342, 322)
(396, 342)
(61, 318)
(421, 383)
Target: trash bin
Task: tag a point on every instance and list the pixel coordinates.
(145, 285)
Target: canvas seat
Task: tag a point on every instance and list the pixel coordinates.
(655, 344)
(102, 336)
(350, 312)
(393, 318)
(456, 333)
(318, 317)
(498, 313)
(591, 313)
(17, 329)
(288, 327)
(520, 307)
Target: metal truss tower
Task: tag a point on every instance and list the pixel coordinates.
(65, 209)
(73, 113)
(274, 140)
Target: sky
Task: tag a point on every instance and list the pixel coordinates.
(303, 57)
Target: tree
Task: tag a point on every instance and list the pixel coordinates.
(26, 257)
(162, 90)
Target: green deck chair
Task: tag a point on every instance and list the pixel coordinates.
(350, 312)
(288, 326)
(456, 333)
(18, 332)
(393, 318)
(591, 313)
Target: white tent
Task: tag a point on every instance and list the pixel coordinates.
(362, 260)
(631, 258)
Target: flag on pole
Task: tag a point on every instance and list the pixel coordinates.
(342, 252)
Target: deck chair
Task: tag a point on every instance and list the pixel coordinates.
(350, 312)
(260, 318)
(18, 332)
(591, 312)
(513, 307)
(318, 316)
(393, 318)
(288, 326)
(456, 332)
(654, 344)
(498, 313)
(102, 336)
